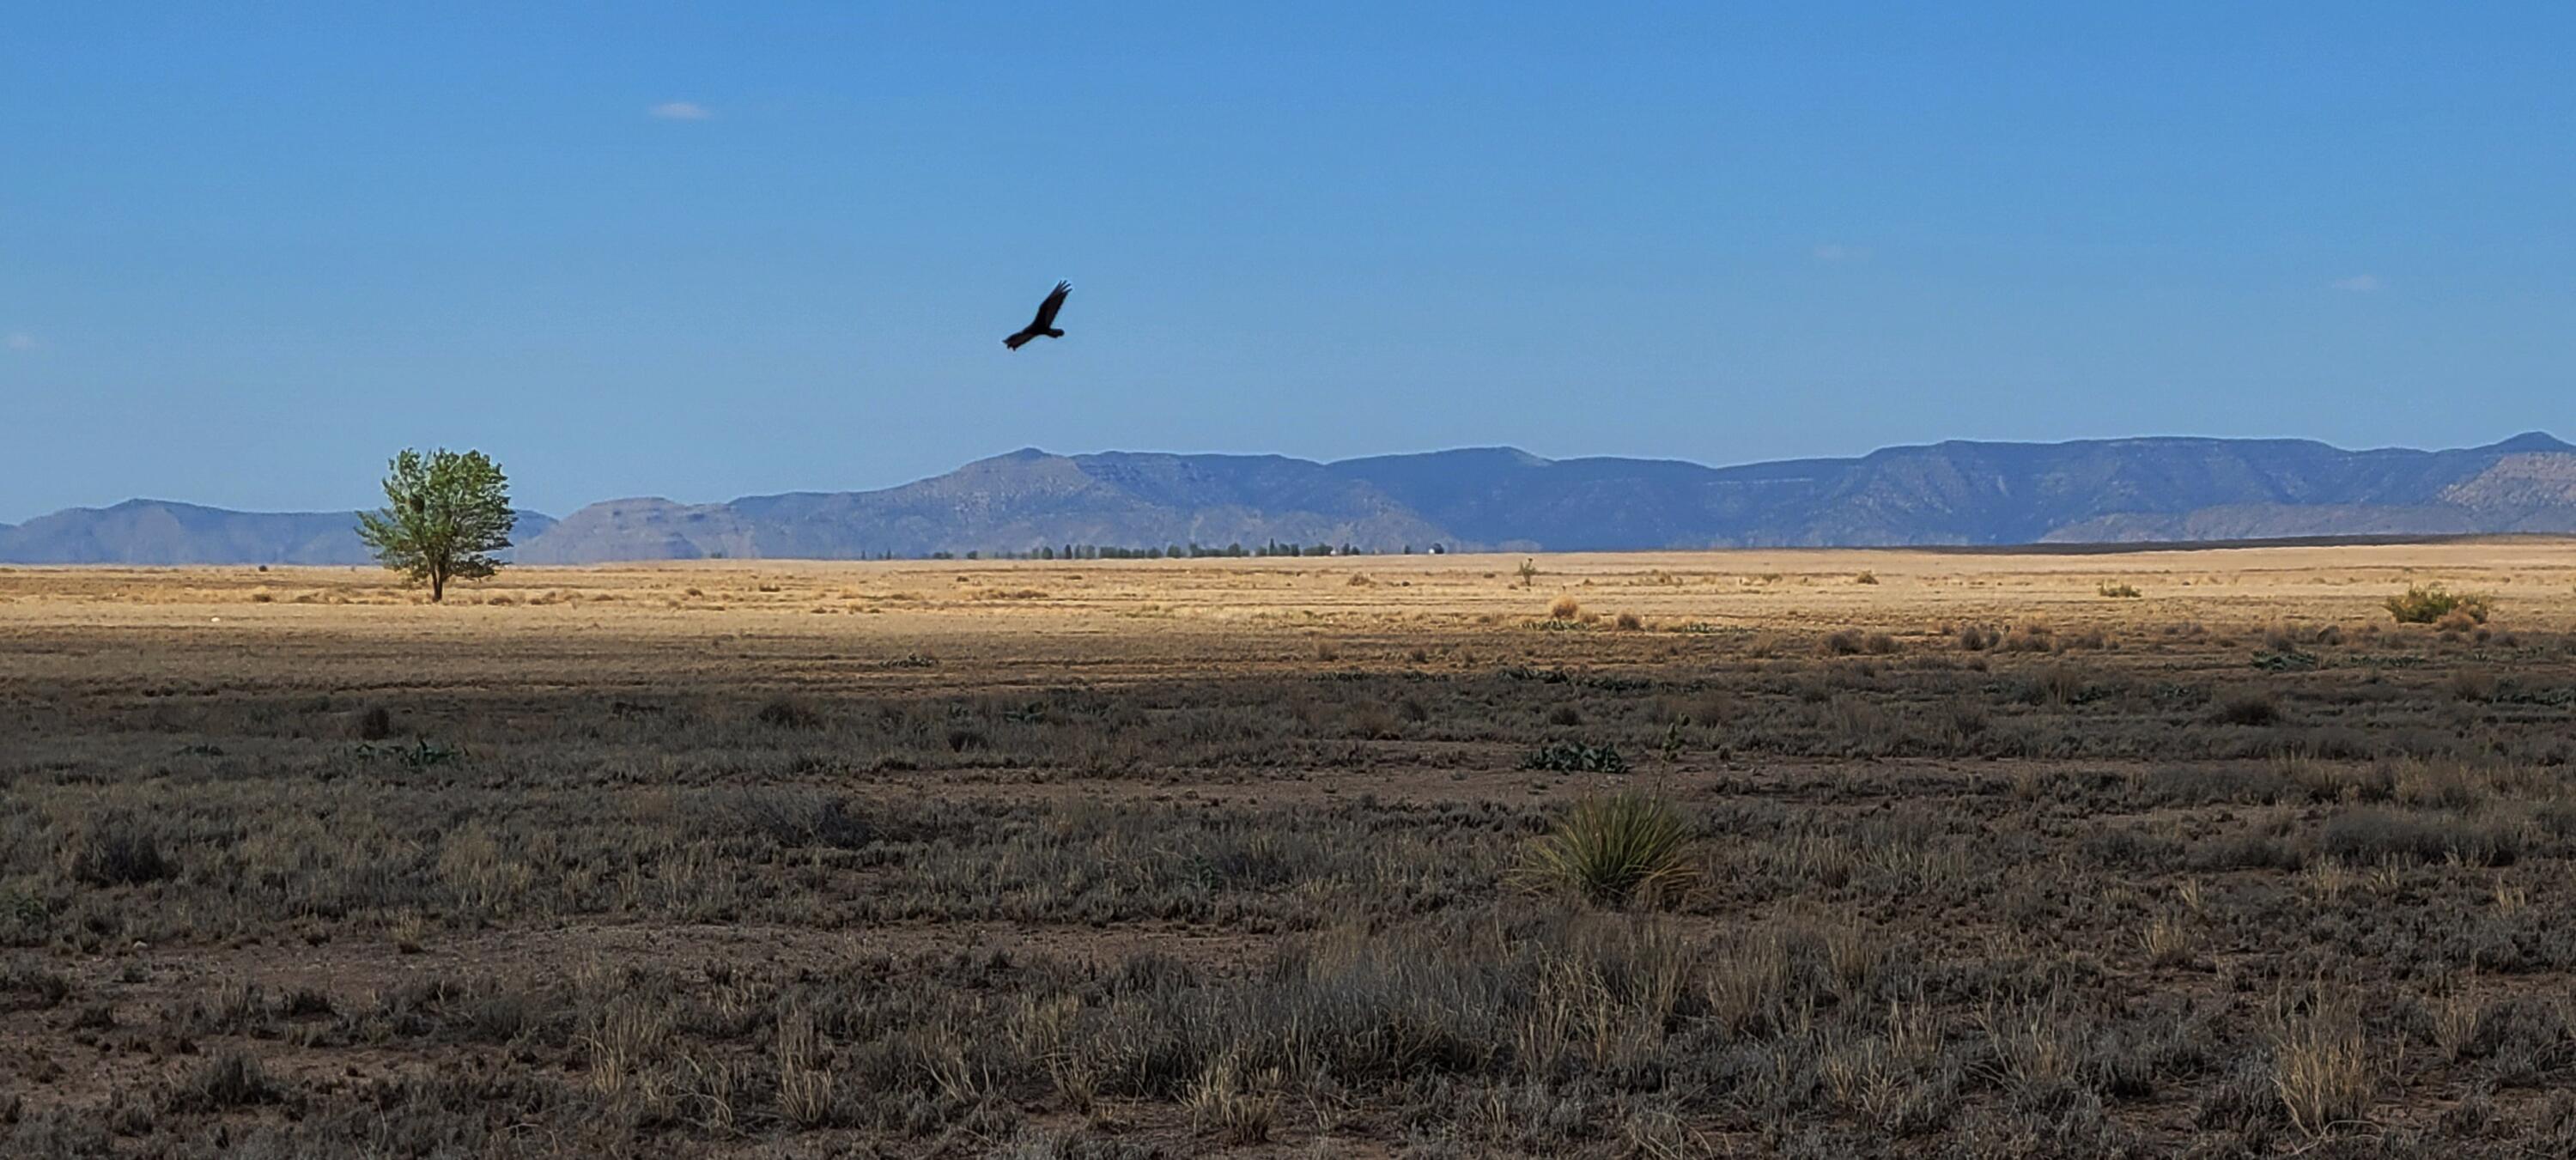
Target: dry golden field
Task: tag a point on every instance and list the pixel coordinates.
(1961, 854)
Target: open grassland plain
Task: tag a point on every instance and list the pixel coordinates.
(1748, 853)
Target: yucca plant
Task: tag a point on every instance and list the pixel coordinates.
(1616, 850)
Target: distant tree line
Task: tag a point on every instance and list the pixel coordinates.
(1192, 551)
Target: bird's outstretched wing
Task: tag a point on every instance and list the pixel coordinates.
(1054, 302)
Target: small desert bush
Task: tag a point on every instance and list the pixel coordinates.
(789, 713)
(2249, 707)
(1565, 608)
(2472, 685)
(799, 818)
(1852, 641)
(118, 850)
(1866, 578)
(2029, 638)
(2119, 591)
(1575, 758)
(1629, 622)
(1615, 850)
(2373, 836)
(2430, 604)
(231, 1080)
(1978, 638)
(2058, 684)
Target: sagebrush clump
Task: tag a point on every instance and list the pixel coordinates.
(2431, 604)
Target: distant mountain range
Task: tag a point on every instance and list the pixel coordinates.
(1957, 493)
(158, 531)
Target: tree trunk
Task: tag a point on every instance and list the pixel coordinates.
(437, 586)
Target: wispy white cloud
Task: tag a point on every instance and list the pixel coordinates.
(20, 340)
(2359, 283)
(1838, 252)
(682, 111)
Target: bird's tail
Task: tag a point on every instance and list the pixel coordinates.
(1054, 333)
(1015, 340)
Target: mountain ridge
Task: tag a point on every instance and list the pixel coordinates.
(1954, 492)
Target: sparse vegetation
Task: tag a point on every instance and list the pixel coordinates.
(1288, 865)
(2121, 591)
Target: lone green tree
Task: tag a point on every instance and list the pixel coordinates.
(444, 514)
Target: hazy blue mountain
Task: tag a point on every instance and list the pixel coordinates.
(154, 531)
(1947, 493)
(1956, 493)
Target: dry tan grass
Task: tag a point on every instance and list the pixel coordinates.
(1206, 855)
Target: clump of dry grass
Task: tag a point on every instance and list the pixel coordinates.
(1235, 1108)
(2170, 941)
(805, 1087)
(230, 1080)
(2455, 1020)
(1565, 608)
(2323, 1067)
(1629, 622)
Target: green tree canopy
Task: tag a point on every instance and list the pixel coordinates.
(444, 514)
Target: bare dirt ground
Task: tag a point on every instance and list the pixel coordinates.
(2049, 854)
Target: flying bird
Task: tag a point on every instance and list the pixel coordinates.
(1045, 323)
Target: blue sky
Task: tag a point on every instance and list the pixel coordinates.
(246, 252)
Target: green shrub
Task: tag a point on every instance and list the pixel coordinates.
(2428, 603)
(1575, 757)
(2286, 661)
(1616, 850)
